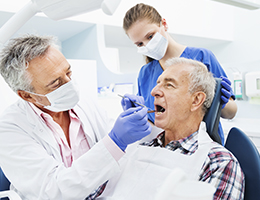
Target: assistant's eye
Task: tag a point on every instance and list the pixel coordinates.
(150, 37)
(140, 44)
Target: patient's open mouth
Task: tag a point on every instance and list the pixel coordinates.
(159, 109)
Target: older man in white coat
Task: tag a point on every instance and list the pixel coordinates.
(183, 93)
(54, 145)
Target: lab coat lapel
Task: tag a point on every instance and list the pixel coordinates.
(41, 130)
(88, 129)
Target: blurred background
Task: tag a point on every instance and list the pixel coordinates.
(107, 63)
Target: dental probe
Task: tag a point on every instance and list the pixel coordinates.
(149, 111)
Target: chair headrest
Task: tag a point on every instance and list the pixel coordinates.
(212, 116)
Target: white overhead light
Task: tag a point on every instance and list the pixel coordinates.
(247, 4)
(56, 10)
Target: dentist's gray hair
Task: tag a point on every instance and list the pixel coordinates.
(16, 55)
(200, 79)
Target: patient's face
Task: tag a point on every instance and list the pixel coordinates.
(172, 98)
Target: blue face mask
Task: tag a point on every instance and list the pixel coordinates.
(63, 98)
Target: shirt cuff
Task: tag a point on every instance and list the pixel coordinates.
(113, 149)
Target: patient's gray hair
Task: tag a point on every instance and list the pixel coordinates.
(16, 55)
(200, 79)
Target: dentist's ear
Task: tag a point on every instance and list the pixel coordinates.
(30, 97)
(25, 96)
(198, 99)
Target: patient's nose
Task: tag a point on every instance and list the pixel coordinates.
(156, 92)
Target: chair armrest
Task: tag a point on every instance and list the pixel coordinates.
(12, 195)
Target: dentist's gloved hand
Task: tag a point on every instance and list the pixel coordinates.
(128, 101)
(131, 126)
(225, 90)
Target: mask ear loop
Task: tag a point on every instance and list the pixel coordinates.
(40, 95)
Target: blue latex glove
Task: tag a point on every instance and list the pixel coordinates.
(128, 101)
(131, 126)
(225, 90)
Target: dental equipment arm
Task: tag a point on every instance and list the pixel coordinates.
(56, 10)
(17, 21)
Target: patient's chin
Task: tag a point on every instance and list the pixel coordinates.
(158, 123)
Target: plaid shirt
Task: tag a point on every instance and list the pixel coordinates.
(220, 168)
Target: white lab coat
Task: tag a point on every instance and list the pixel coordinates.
(30, 156)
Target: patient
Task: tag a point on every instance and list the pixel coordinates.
(183, 94)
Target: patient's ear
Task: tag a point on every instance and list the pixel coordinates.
(198, 99)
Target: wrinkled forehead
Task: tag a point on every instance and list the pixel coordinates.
(177, 72)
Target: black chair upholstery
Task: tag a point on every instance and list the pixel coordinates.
(213, 115)
(249, 159)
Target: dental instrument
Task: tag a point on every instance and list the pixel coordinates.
(150, 111)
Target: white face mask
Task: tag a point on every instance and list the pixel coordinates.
(63, 98)
(155, 48)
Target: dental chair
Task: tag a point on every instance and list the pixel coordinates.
(213, 114)
(239, 144)
(249, 159)
(5, 193)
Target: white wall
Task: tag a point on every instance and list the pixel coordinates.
(85, 46)
(243, 54)
(202, 18)
(8, 97)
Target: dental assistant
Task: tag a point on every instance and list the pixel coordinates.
(54, 145)
(148, 30)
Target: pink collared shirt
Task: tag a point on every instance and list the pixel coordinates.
(78, 141)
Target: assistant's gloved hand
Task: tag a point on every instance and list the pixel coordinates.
(130, 98)
(225, 90)
(130, 126)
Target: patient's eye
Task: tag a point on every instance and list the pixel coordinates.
(169, 85)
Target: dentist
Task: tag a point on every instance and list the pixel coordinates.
(54, 145)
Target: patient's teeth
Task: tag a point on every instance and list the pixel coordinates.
(158, 113)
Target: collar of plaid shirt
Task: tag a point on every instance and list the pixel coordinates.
(187, 145)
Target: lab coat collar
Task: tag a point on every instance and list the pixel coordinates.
(91, 137)
(43, 131)
(39, 127)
